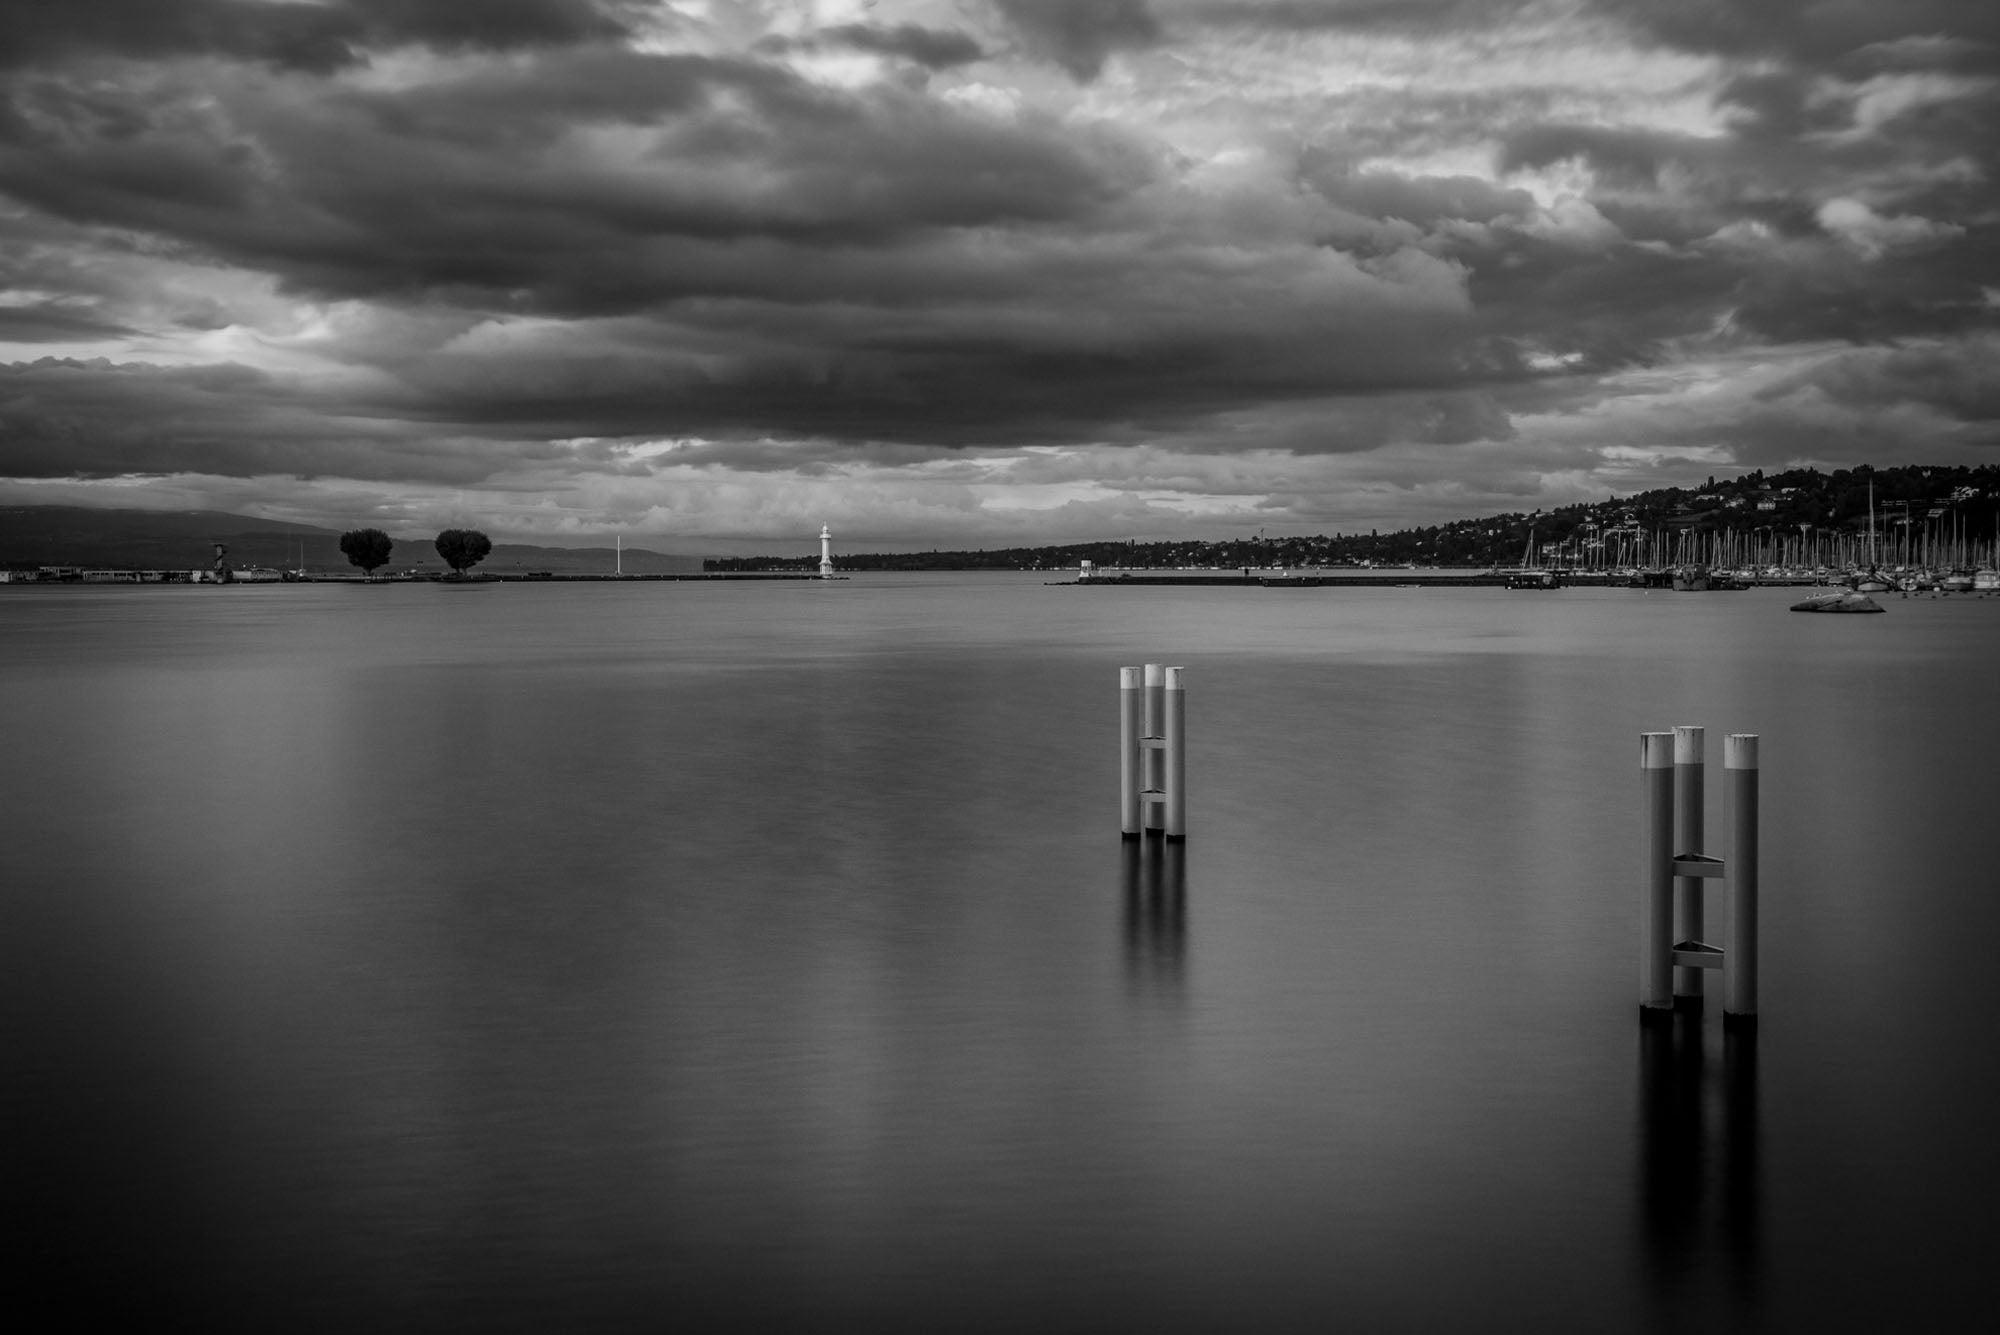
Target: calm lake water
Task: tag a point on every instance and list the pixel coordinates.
(699, 955)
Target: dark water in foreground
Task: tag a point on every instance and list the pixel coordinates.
(681, 956)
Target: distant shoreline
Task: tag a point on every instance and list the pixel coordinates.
(1252, 577)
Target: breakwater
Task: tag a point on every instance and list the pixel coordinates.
(1390, 579)
(1271, 580)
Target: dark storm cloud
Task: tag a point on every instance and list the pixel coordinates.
(93, 418)
(54, 322)
(1785, 144)
(1046, 340)
(1621, 157)
(307, 37)
(1959, 380)
(313, 37)
(478, 187)
(1350, 15)
(1934, 403)
(51, 295)
(1591, 294)
(779, 215)
(1676, 188)
(1619, 307)
(584, 240)
(858, 379)
(933, 48)
(1778, 105)
(67, 417)
(1854, 181)
(496, 24)
(1862, 302)
(1424, 201)
(1850, 201)
(61, 284)
(1080, 35)
(1817, 33)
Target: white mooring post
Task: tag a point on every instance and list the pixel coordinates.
(1152, 728)
(1656, 878)
(1690, 796)
(1739, 963)
(1175, 759)
(1131, 690)
(1670, 766)
(1152, 764)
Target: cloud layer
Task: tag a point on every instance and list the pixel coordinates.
(958, 271)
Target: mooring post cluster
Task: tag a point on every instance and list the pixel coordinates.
(1674, 863)
(1673, 866)
(1152, 735)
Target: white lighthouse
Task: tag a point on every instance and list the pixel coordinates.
(825, 552)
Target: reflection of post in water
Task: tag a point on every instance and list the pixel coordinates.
(1155, 877)
(1739, 1184)
(1698, 1151)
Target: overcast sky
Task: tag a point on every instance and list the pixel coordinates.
(712, 273)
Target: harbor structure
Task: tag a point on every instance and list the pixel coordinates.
(1671, 766)
(1152, 745)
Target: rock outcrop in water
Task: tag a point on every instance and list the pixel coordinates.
(1839, 602)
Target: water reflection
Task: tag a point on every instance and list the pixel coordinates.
(1698, 1168)
(1154, 873)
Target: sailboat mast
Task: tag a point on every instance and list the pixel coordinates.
(1872, 558)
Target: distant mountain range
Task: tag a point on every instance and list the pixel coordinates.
(73, 535)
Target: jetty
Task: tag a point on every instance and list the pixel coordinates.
(1543, 577)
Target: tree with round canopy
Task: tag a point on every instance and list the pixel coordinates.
(366, 547)
(463, 548)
